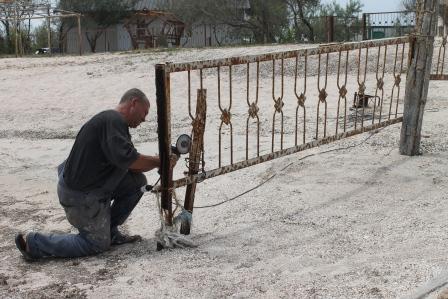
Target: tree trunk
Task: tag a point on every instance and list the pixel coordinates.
(92, 41)
(307, 23)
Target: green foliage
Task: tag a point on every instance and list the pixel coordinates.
(409, 4)
(300, 13)
(288, 35)
(40, 34)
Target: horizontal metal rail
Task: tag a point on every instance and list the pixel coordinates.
(285, 152)
(323, 49)
(438, 77)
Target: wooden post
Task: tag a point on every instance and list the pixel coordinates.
(330, 28)
(195, 151)
(164, 134)
(364, 26)
(417, 81)
(79, 36)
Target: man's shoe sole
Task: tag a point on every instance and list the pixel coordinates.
(20, 240)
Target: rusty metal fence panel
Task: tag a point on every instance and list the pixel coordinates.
(440, 67)
(439, 62)
(276, 104)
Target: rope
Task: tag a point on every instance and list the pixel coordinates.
(167, 235)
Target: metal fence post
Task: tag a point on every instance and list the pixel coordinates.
(164, 135)
(364, 26)
(330, 28)
(417, 81)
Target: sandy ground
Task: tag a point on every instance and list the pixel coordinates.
(356, 222)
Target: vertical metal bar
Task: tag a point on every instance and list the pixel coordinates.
(282, 133)
(398, 81)
(304, 95)
(278, 104)
(364, 82)
(322, 95)
(275, 111)
(380, 83)
(318, 102)
(248, 104)
(364, 26)
(220, 108)
(230, 107)
(325, 87)
(395, 83)
(164, 135)
(330, 28)
(342, 91)
(256, 103)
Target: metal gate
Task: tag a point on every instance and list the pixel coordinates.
(267, 106)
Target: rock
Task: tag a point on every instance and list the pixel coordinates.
(443, 294)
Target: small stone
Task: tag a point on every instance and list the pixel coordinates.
(443, 294)
(3, 281)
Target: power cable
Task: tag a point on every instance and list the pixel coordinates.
(281, 170)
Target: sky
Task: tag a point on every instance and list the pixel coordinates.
(374, 5)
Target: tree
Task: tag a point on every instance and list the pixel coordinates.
(19, 9)
(98, 14)
(301, 12)
(40, 34)
(409, 4)
(265, 19)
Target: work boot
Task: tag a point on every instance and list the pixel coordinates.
(117, 238)
(23, 248)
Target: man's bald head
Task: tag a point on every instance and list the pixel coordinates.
(134, 93)
(134, 106)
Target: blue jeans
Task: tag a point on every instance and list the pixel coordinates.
(95, 214)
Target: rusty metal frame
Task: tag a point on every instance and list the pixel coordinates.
(333, 48)
(278, 85)
(440, 70)
(282, 153)
(440, 65)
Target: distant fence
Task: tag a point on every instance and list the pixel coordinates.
(362, 27)
(277, 104)
(387, 24)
